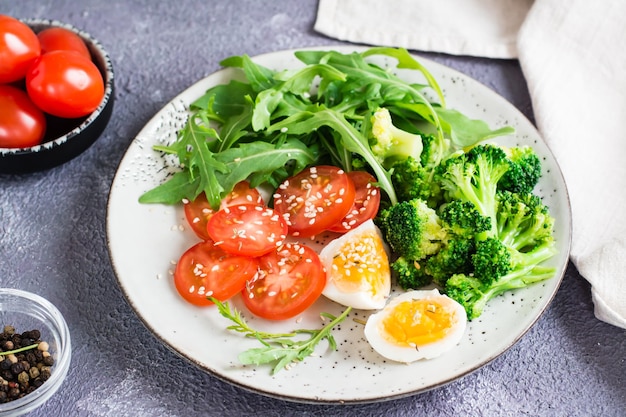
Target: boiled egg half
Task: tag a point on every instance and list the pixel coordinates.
(416, 325)
(357, 268)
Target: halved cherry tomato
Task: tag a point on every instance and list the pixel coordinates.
(19, 48)
(289, 280)
(65, 84)
(61, 39)
(206, 270)
(247, 229)
(314, 199)
(199, 211)
(22, 124)
(365, 204)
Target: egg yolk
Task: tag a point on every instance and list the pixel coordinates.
(417, 323)
(361, 264)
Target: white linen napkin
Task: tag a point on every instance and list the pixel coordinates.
(572, 55)
(485, 28)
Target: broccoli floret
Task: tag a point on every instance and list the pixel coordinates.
(473, 295)
(491, 260)
(462, 223)
(473, 291)
(523, 221)
(414, 177)
(412, 229)
(454, 257)
(524, 170)
(473, 177)
(469, 292)
(409, 274)
(411, 180)
(391, 143)
(462, 219)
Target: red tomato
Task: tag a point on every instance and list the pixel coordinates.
(289, 280)
(22, 124)
(206, 270)
(19, 48)
(65, 84)
(61, 39)
(247, 229)
(315, 199)
(198, 212)
(365, 204)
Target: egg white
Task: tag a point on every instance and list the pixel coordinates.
(364, 297)
(407, 354)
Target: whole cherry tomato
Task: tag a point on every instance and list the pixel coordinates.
(65, 84)
(61, 39)
(22, 124)
(19, 48)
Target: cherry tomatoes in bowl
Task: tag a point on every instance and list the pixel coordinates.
(22, 124)
(61, 39)
(289, 280)
(314, 199)
(65, 84)
(65, 138)
(19, 48)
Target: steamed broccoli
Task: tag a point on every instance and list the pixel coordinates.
(474, 291)
(410, 275)
(462, 222)
(454, 257)
(411, 180)
(524, 170)
(468, 221)
(391, 143)
(523, 220)
(413, 177)
(411, 228)
(512, 258)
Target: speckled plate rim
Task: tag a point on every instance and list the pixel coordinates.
(145, 240)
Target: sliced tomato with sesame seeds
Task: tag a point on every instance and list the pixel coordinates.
(199, 211)
(366, 202)
(247, 229)
(207, 270)
(290, 280)
(314, 199)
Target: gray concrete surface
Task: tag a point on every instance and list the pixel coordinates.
(53, 240)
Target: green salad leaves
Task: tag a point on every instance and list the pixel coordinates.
(279, 121)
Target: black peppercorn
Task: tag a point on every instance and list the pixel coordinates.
(17, 367)
(25, 363)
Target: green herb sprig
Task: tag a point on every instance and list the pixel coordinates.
(279, 349)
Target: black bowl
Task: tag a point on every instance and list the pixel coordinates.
(65, 138)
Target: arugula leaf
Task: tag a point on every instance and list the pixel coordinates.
(466, 132)
(279, 349)
(178, 187)
(351, 139)
(259, 161)
(405, 60)
(259, 77)
(298, 83)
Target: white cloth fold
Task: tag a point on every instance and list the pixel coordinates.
(573, 59)
(485, 28)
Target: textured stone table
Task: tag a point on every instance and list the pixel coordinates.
(53, 241)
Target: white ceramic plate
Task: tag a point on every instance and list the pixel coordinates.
(145, 241)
